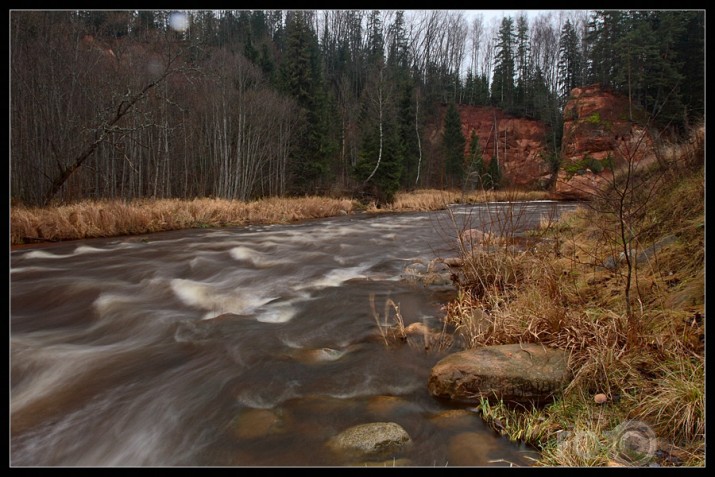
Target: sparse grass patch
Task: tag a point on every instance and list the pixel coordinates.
(676, 405)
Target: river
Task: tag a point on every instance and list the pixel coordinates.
(243, 346)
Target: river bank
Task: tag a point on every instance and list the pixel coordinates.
(91, 219)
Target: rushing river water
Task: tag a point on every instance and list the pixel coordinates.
(246, 346)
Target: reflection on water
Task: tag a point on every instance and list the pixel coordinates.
(235, 347)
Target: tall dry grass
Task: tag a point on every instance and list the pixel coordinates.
(90, 219)
(108, 218)
(434, 199)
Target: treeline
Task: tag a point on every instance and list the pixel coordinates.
(246, 104)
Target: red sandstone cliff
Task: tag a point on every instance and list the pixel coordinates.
(520, 142)
(599, 135)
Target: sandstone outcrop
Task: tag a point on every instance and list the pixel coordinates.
(602, 132)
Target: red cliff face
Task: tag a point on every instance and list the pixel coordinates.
(520, 143)
(598, 135)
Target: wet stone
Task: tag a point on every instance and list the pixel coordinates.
(375, 438)
(257, 423)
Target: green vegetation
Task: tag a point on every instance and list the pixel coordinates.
(595, 118)
(588, 162)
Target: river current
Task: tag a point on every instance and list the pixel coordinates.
(243, 346)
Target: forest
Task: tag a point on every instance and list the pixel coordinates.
(245, 104)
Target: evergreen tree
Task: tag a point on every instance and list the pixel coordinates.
(475, 167)
(453, 142)
(605, 31)
(522, 65)
(303, 79)
(570, 62)
(493, 176)
(503, 81)
(689, 51)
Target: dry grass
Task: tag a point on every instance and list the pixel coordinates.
(89, 219)
(649, 363)
(109, 218)
(392, 325)
(433, 199)
(677, 404)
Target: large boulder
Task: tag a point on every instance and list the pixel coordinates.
(513, 373)
(371, 439)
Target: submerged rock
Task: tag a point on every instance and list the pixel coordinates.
(257, 423)
(513, 373)
(375, 438)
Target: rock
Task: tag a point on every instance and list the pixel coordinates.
(385, 463)
(375, 438)
(435, 274)
(597, 127)
(417, 328)
(522, 143)
(453, 262)
(256, 423)
(455, 418)
(471, 238)
(384, 406)
(517, 373)
(470, 449)
(600, 398)
(319, 355)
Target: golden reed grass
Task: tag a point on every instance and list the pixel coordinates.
(109, 218)
(89, 219)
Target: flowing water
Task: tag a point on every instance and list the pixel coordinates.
(246, 346)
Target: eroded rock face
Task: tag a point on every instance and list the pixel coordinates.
(600, 133)
(514, 373)
(371, 439)
(520, 141)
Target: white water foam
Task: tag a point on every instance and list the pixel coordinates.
(213, 300)
(43, 254)
(29, 269)
(255, 399)
(336, 277)
(82, 249)
(254, 257)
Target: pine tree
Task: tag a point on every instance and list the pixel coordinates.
(475, 168)
(494, 176)
(522, 65)
(503, 81)
(302, 78)
(570, 61)
(604, 34)
(453, 142)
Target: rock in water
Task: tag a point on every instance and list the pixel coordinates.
(375, 438)
(519, 373)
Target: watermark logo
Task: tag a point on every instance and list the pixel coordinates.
(631, 443)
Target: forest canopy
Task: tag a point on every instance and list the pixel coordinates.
(241, 104)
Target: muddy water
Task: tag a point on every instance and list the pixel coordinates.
(243, 346)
